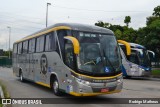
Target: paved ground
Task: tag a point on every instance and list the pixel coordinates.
(133, 88)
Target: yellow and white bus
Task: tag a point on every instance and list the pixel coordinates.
(77, 59)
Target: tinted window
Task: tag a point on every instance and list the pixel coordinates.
(25, 47)
(40, 44)
(15, 48)
(31, 45)
(50, 42)
(20, 48)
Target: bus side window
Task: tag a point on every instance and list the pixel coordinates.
(40, 44)
(20, 48)
(50, 44)
(60, 35)
(25, 47)
(15, 48)
(69, 55)
(31, 46)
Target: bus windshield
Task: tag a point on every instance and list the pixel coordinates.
(144, 58)
(99, 53)
(134, 57)
(140, 58)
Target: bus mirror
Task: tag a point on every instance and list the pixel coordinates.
(128, 47)
(151, 54)
(74, 42)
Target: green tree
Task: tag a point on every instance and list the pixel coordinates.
(129, 34)
(127, 20)
(156, 11)
(118, 34)
(115, 27)
(6, 53)
(151, 19)
(102, 24)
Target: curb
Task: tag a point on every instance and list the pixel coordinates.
(2, 96)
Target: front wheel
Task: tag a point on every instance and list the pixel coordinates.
(55, 87)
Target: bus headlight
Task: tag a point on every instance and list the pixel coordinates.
(141, 69)
(82, 81)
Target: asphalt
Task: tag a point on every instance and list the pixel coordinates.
(132, 88)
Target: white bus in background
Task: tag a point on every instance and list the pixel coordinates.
(135, 59)
(80, 60)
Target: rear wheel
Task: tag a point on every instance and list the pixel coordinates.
(55, 87)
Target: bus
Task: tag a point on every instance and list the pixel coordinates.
(78, 59)
(135, 59)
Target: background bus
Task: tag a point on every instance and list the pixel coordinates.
(78, 59)
(138, 62)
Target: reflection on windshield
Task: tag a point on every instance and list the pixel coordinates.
(134, 57)
(99, 53)
(140, 58)
(144, 58)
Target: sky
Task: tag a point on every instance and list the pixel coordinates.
(28, 16)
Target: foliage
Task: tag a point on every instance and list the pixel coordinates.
(6, 53)
(156, 72)
(151, 19)
(102, 24)
(127, 20)
(156, 11)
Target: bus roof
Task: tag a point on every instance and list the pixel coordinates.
(71, 26)
(134, 45)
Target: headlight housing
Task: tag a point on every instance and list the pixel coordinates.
(120, 79)
(82, 81)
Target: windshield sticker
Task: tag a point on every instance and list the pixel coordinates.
(107, 69)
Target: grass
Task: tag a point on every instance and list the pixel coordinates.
(6, 93)
(156, 72)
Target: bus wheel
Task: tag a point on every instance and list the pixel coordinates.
(21, 77)
(127, 77)
(55, 87)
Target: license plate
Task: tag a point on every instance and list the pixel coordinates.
(104, 90)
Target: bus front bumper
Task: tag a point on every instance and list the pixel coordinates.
(93, 89)
(93, 94)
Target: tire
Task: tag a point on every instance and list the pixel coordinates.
(21, 77)
(55, 87)
(128, 77)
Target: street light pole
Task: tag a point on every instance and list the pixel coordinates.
(9, 41)
(47, 13)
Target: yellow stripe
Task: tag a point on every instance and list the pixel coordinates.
(128, 47)
(96, 77)
(93, 94)
(75, 43)
(44, 32)
(43, 84)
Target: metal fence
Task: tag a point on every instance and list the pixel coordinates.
(5, 62)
